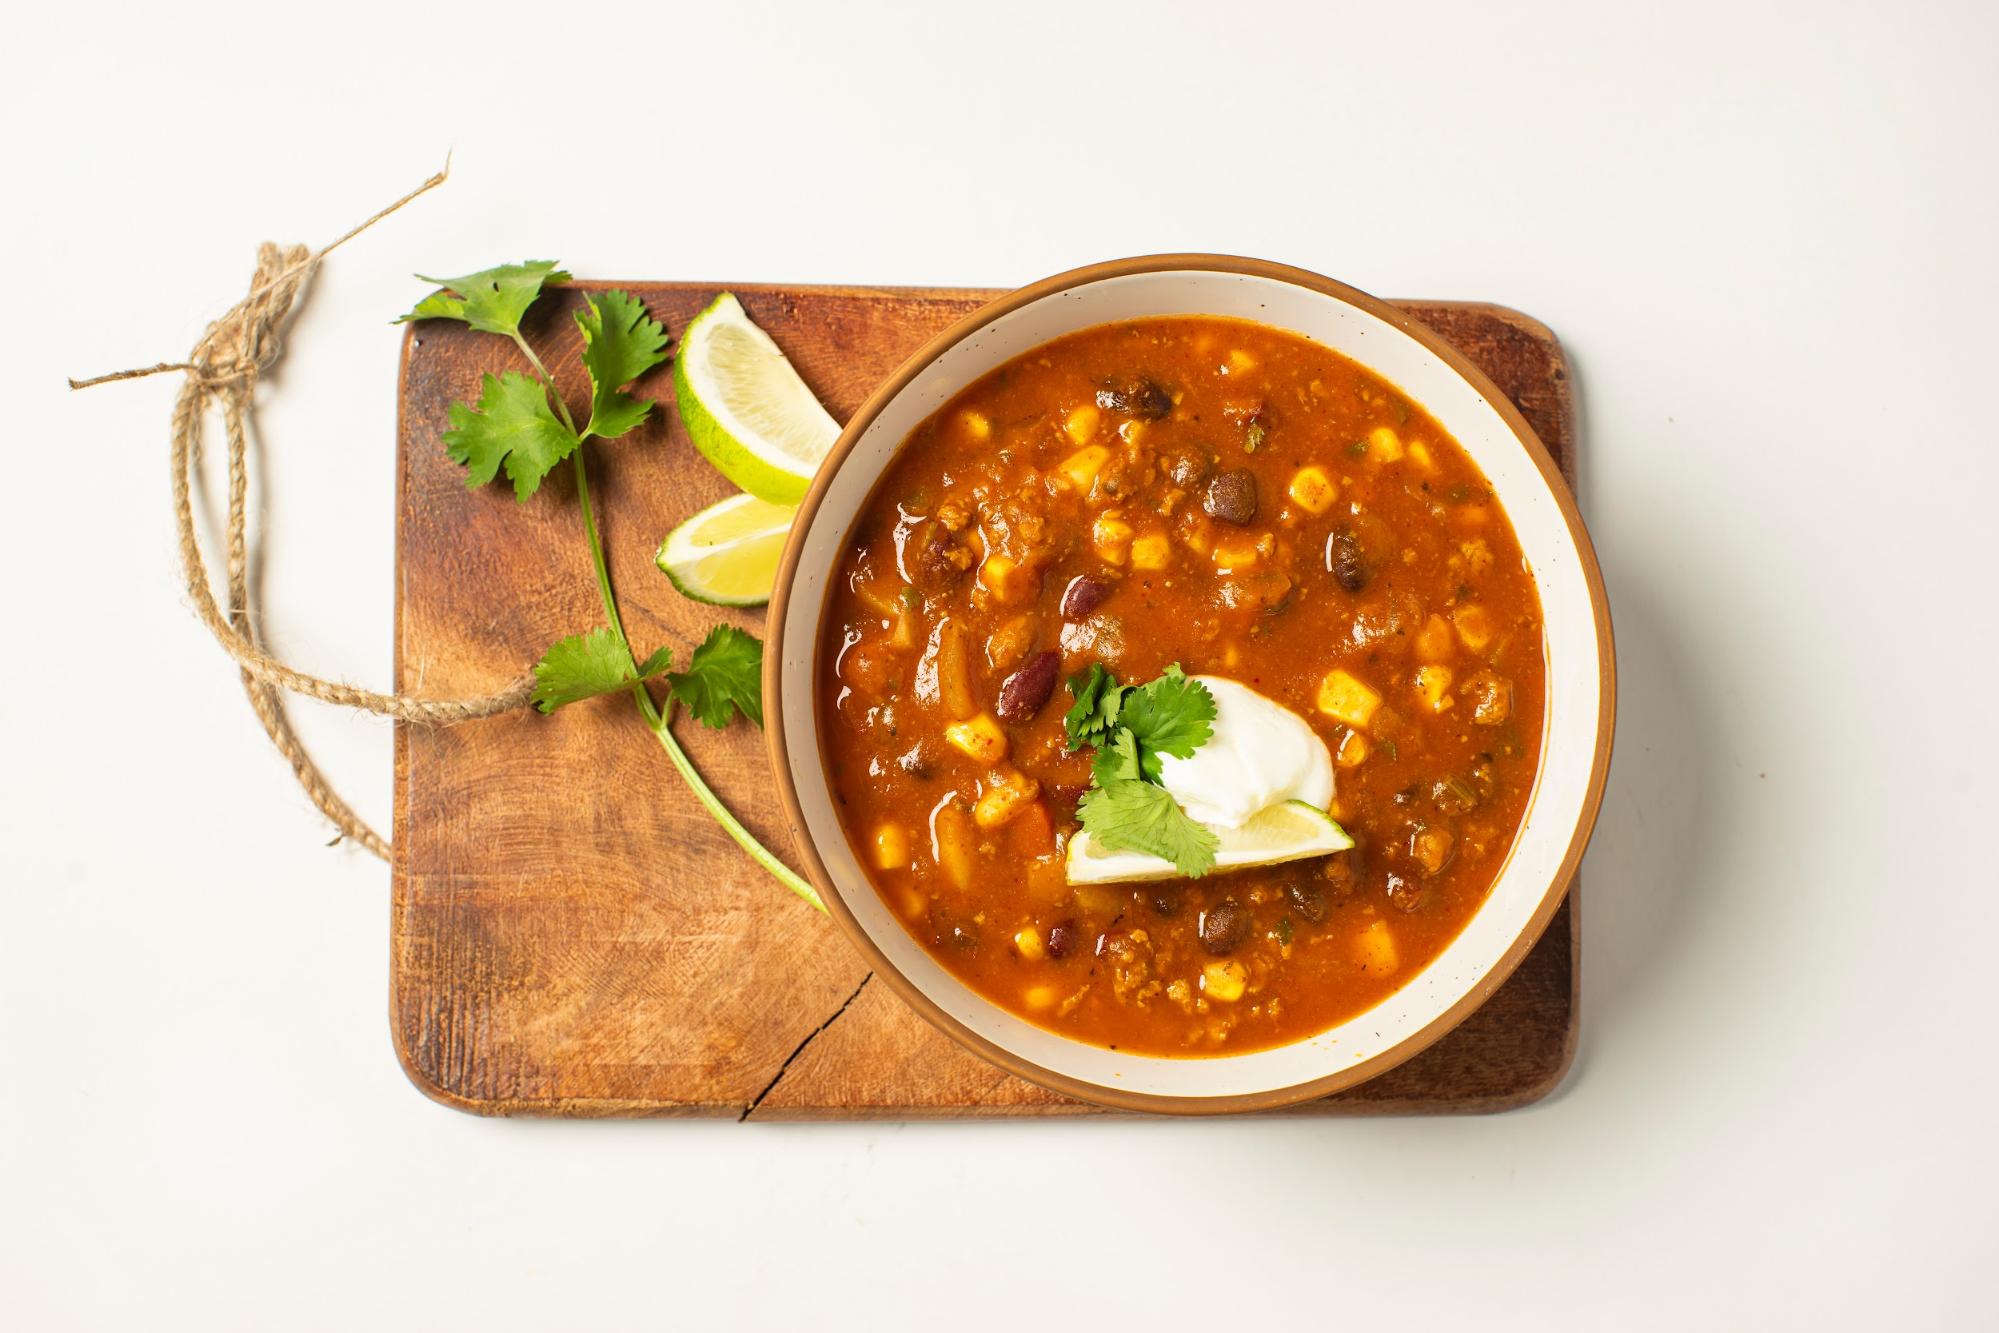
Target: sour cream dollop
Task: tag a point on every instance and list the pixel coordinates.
(1260, 753)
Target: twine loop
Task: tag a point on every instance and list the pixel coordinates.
(221, 374)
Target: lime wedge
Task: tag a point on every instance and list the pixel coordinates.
(727, 554)
(1288, 831)
(745, 407)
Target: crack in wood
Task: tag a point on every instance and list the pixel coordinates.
(799, 1049)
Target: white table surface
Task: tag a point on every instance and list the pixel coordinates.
(1765, 233)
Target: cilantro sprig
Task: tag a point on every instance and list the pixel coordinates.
(1131, 726)
(522, 426)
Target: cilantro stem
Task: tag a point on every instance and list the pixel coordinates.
(660, 724)
(782, 873)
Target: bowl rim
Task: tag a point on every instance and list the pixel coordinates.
(1126, 1099)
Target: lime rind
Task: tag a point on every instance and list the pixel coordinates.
(1288, 831)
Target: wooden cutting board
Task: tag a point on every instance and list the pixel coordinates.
(572, 935)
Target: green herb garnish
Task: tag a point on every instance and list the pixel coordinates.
(1131, 726)
(522, 426)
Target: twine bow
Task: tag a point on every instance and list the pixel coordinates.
(222, 372)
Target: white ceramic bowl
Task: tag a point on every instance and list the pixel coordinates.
(1575, 743)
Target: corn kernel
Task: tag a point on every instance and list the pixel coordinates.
(1347, 700)
(891, 847)
(1005, 578)
(976, 425)
(1082, 423)
(1353, 751)
(1112, 538)
(1152, 551)
(979, 738)
(1474, 627)
(1028, 941)
(1434, 684)
(1384, 445)
(1240, 362)
(1374, 949)
(1005, 796)
(1131, 432)
(1235, 553)
(1081, 468)
(1312, 490)
(1038, 997)
(1224, 980)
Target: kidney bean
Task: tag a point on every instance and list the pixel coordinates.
(1062, 939)
(1346, 562)
(1022, 694)
(1083, 595)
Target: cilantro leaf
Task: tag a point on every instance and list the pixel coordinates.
(1171, 715)
(1091, 719)
(1137, 816)
(724, 674)
(585, 665)
(1117, 760)
(620, 343)
(513, 424)
(491, 300)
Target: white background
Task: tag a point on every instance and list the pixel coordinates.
(1766, 234)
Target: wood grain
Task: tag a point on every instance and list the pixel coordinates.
(573, 936)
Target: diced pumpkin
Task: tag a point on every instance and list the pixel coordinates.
(908, 632)
(1081, 468)
(1474, 627)
(1476, 554)
(1081, 426)
(1344, 698)
(1433, 684)
(1312, 490)
(1152, 551)
(1434, 642)
(1353, 751)
(1007, 793)
(1027, 940)
(1031, 833)
(976, 425)
(1374, 949)
(891, 847)
(1240, 362)
(1235, 552)
(1419, 454)
(1384, 445)
(1491, 697)
(978, 738)
(954, 842)
(1038, 997)
(945, 671)
(1225, 979)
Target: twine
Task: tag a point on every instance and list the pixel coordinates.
(222, 371)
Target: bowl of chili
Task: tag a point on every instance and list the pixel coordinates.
(1226, 495)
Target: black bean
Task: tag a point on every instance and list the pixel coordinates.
(1346, 562)
(1024, 692)
(1136, 398)
(1307, 900)
(1231, 496)
(1062, 939)
(1188, 466)
(1224, 927)
(1083, 595)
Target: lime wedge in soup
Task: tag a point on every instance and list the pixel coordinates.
(1288, 831)
(745, 408)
